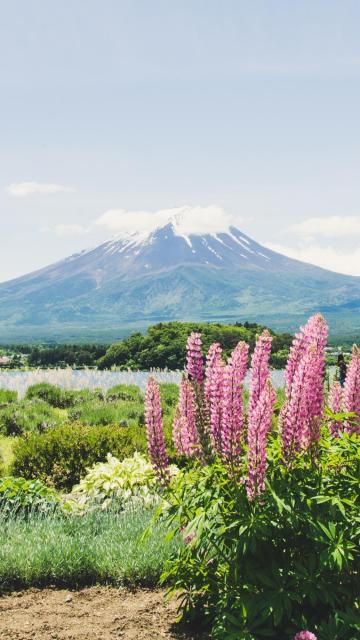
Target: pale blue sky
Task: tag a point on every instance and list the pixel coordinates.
(145, 105)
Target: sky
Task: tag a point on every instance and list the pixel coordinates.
(242, 111)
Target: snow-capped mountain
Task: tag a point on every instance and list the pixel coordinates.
(169, 273)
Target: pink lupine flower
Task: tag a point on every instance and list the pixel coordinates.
(259, 368)
(194, 366)
(187, 411)
(336, 399)
(232, 425)
(213, 359)
(352, 390)
(305, 635)
(216, 391)
(154, 430)
(258, 429)
(300, 418)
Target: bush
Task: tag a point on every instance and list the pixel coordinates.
(60, 457)
(123, 483)
(7, 396)
(123, 413)
(50, 393)
(267, 568)
(20, 495)
(31, 416)
(129, 392)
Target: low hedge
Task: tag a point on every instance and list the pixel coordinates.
(59, 457)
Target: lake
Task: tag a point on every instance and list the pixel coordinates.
(91, 378)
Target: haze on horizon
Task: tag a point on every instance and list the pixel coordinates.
(242, 111)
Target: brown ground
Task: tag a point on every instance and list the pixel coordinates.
(97, 613)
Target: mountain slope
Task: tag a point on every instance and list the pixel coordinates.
(166, 274)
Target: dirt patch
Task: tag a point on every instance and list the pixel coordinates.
(97, 613)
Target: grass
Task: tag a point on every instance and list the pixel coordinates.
(71, 551)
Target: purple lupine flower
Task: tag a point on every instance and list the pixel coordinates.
(213, 359)
(216, 390)
(336, 400)
(180, 434)
(194, 363)
(352, 390)
(187, 410)
(155, 431)
(259, 368)
(300, 417)
(305, 635)
(258, 429)
(232, 426)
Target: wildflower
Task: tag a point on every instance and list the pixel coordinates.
(259, 427)
(185, 433)
(259, 368)
(194, 366)
(232, 425)
(304, 386)
(305, 635)
(336, 399)
(352, 390)
(213, 359)
(154, 429)
(215, 392)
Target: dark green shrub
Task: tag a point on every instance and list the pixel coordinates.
(104, 413)
(7, 396)
(129, 392)
(50, 393)
(22, 417)
(74, 397)
(60, 457)
(20, 495)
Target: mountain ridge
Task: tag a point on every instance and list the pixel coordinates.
(165, 274)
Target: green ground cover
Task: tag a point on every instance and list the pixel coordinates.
(71, 550)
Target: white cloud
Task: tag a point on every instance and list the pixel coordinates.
(330, 227)
(187, 220)
(22, 189)
(326, 257)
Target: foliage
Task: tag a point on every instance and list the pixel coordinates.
(269, 567)
(20, 495)
(128, 392)
(61, 456)
(164, 344)
(65, 355)
(50, 393)
(123, 413)
(124, 483)
(23, 417)
(7, 396)
(69, 550)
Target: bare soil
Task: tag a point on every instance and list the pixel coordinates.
(96, 613)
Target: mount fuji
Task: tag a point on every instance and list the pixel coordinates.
(164, 274)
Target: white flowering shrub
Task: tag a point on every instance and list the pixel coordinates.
(128, 482)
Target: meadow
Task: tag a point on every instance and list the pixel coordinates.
(234, 486)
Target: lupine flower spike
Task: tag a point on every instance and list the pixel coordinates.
(305, 635)
(259, 368)
(259, 427)
(232, 427)
(304, 387)
(336, 404)
(185, 433)
(194, 365)
(154, 429)
(352, 390)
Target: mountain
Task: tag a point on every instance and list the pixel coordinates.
(132, 281)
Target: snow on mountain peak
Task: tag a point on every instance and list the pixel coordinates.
(185, 221)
